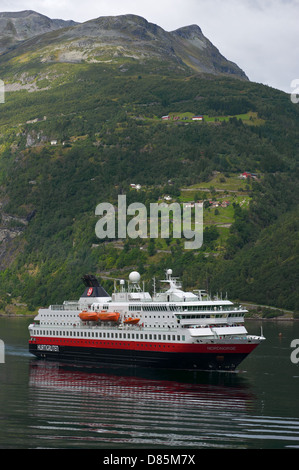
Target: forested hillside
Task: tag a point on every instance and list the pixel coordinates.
(104, 121)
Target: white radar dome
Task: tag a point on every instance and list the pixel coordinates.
(169, 272)
(134, 276)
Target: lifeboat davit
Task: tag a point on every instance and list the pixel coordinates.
(108, 316)
(131, 321)
(88, 316)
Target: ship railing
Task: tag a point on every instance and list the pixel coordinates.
(222, 339)
(66, 307)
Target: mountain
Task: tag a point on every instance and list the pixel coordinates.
(200, 54)
(19, 26)
(82, 123)
(110, 39)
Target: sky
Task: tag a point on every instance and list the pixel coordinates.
(260, 36)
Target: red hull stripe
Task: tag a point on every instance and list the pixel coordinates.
(148, 346)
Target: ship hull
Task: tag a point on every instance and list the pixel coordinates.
(183, 357)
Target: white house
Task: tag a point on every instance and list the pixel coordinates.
(197, 118)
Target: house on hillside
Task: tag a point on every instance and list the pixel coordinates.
(135, 186)
(225, 204)
(165, 118)
(197, 118)
(53, 142)
(245, 175)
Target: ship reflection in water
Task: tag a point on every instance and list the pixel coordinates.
(84, 407)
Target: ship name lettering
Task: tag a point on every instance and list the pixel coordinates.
(47, 347)
(221, 348)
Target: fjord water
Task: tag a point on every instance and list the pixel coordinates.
(52, 405)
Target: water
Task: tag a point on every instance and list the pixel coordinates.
(51, 405)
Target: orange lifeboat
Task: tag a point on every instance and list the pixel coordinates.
(131, 321)
(88, 316)
(108, 316)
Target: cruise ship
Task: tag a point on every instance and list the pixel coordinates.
(170, 329)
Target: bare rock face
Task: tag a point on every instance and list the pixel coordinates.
(109, 38)
(133, 36)
(197, 51)
(22, 25)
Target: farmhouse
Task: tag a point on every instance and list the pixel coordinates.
(225, 204)
(197, 118)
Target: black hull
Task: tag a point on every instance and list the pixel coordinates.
(127, 358)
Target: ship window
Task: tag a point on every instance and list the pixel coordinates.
(178, 337)
(145, 336)
(125, 335)
(141, 336)
(164, 337)
(168, 337)
(173, 337)
(183, 338)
